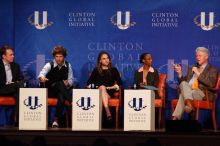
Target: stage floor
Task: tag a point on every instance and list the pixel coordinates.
(67, 137)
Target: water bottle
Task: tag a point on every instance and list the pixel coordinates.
(25, 84)
(93, 86)
(135, 86)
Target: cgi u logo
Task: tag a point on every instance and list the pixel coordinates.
(36, 20)
(127, 20)
(85, 103)
(202, 22)
(32, 103)
(136, 104)
(211, 21)
(119, 24)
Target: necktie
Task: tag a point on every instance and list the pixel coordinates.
(195, 84)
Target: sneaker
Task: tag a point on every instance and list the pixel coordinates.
(55, 125)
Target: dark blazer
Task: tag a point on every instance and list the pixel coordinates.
(16, 74)
(152, 78)
(207, 79)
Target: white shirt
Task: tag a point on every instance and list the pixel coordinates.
(194, 75)
(8, 72)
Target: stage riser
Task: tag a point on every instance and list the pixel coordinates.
(71, 138)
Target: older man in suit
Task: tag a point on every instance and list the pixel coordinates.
(193, 85)
(11, 77)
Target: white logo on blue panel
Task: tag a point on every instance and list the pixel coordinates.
(36, 20)
(118, 22)
(202, 22)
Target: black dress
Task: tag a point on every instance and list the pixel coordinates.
(108, 78)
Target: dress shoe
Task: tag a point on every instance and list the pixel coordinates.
(109, 118)
(55, 124)
(188, 106)
(109, 122)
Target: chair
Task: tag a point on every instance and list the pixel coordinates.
(204, 104)
(53, 102)
(116, 102)
(7, 101)
(160, 103)
(10, 101)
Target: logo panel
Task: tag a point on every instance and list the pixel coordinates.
(36, 20)
(118, 20)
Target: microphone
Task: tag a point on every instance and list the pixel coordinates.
(196, 65)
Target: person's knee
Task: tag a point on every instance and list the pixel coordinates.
(60, 97)
(20, 84)
(183, 83)
(102, 87)
(58, 85)
(198, 94)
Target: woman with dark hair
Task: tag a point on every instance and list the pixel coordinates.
(146, 75)
(106, 78)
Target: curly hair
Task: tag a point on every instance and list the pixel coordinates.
(59, 50)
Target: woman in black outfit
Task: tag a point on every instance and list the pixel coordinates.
(106, 78)
(146, 75)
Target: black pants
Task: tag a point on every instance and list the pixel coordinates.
(59, 91)
(13, 90)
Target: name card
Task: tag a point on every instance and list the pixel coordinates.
(87, 109)
(33, 109)
(139, 110)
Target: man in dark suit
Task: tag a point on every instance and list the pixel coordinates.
(193, 85)
(11, 78)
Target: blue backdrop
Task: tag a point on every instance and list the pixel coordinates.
(170, 30)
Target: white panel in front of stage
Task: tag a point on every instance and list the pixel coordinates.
(139, 110)
(33, 109)
(87, 109)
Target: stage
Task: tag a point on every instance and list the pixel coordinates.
(170, 31)
(67, 137)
